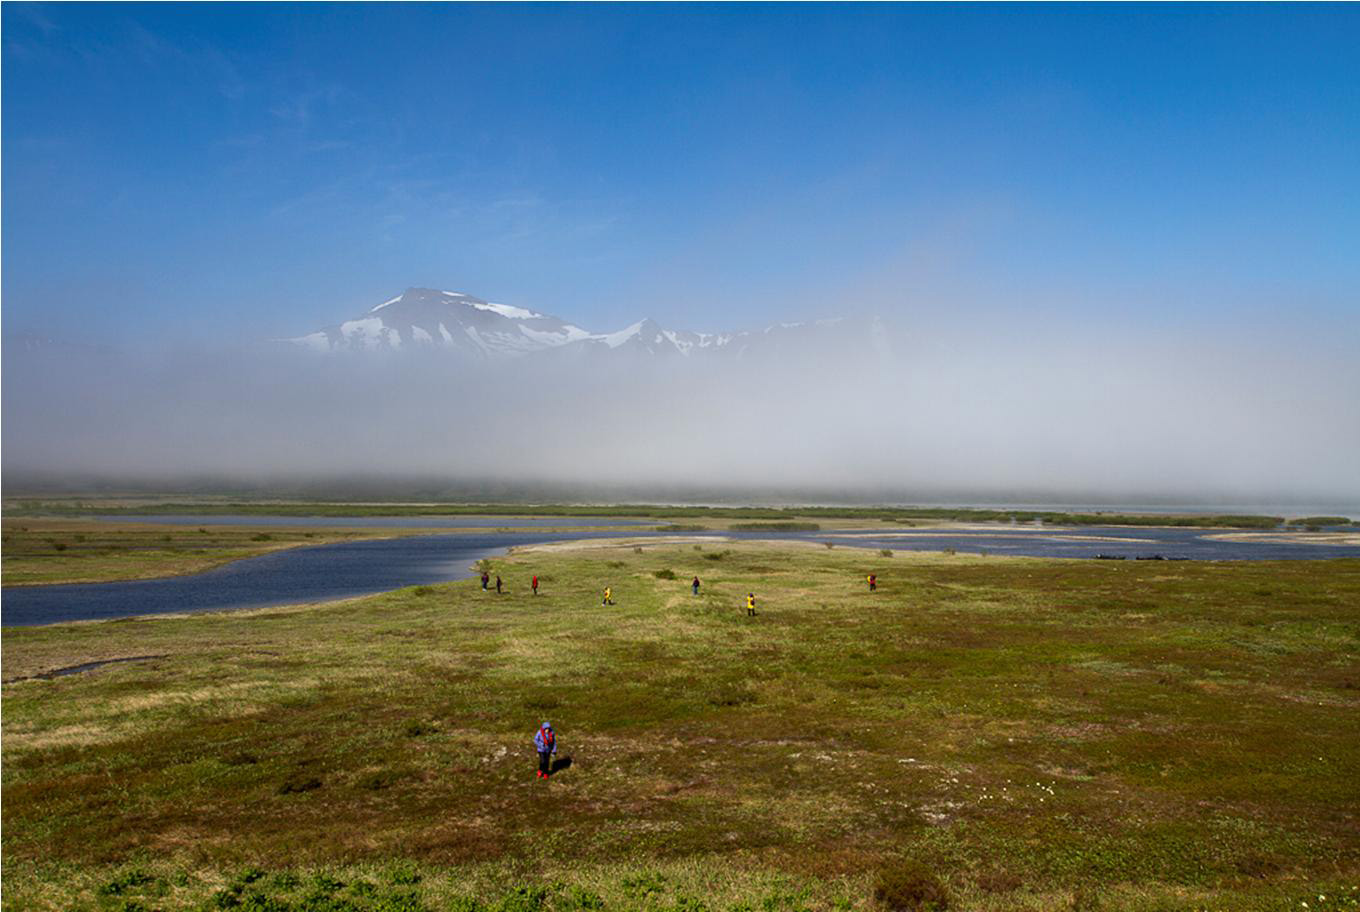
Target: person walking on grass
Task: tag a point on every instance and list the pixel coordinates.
(545, 742)
(751, 605)
(873, 582)
(498, 584)
(486, 580)
(695, 585)
(534, 584)
(608, 596)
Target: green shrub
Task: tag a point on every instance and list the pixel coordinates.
(404, 875)
(262, 536)
(910, 887)
(523, 899)
(577, 899)
(641, 886)
(128, 880)
(885, 552)
(664, 574)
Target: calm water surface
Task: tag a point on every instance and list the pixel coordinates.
(348, 569)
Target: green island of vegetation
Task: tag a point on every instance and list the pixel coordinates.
(75, 506)
(980, 733)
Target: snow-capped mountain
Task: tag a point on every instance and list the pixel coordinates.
(421, 317)
(424, 319)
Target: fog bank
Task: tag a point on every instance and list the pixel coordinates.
(942, 412)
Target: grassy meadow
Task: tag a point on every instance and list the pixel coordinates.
(980, 733)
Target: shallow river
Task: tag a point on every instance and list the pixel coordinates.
(347, 569)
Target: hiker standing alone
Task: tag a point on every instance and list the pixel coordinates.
(608, 596)
(873, 582)
(695, 585)
(535, 584)
(751, 605)
(545, 742)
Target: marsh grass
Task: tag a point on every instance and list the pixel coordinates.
(24, 506)
(1033, 733)
(44, 551)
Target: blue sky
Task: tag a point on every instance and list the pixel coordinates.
(238, 172)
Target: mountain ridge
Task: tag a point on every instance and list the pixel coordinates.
(460, 323)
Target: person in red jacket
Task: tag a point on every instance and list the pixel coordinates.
(535, 584)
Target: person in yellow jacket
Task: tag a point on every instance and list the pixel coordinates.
(751, 605)
(608, 596)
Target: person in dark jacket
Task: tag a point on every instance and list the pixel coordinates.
(695, 585)
(873, 582)
(545, 742)
(498, 584)
(486, 580)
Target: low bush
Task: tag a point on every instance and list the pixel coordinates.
(128, 880)
(403, 875)
(664, 574)
(910, 887)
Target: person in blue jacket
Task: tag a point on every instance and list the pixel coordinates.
(545, 742)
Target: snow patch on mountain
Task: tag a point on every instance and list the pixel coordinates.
(615, 339)
(505, 310)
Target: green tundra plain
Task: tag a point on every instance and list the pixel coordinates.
(980, 733)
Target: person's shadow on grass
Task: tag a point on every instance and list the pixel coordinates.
(559, 764)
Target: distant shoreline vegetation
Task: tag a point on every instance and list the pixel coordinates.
(770, 518)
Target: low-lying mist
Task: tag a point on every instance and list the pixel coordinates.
(915, 414)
